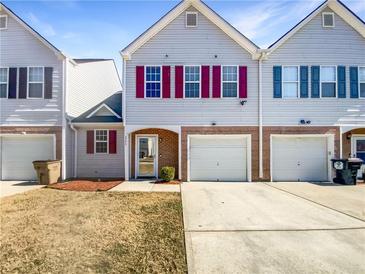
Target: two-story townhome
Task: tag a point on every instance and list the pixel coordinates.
(201, 97)
(41, 91)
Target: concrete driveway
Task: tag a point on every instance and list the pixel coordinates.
(274, 228)
(8, 188)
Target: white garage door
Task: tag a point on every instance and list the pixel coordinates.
(18, 152)
(218, 158)
(299, 159)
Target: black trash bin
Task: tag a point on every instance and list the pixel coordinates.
(346, 170)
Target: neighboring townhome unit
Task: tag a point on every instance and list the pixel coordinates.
(41, 90)
(313, 96)
(191, 98)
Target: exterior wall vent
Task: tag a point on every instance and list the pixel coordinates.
(191, 19)
(328, 19)
(3, 22)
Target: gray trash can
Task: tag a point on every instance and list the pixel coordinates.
(346, 170)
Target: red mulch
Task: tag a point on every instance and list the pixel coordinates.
(173, 182)
(84, 185)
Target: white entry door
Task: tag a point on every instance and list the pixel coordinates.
(146, 156)
(218, 158)
(299, 159)
(18, 153)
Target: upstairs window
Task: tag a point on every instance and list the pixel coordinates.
(328, 19)
(290, 82)
(153, 82)
(4, 82)
(328, 81)
(362, 81)
(191, 19)
(35, 82)
(192, 82)
(229, 81)
(101, 141)
(3, 22)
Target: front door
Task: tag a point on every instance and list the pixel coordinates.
(146, 156)
(359, 150)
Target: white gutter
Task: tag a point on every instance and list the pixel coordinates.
(124, 116)
(64, 90)
(75, 148)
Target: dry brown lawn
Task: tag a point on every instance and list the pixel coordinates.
(53, 231)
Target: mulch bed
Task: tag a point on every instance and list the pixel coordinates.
(174, 182)
(84, 185)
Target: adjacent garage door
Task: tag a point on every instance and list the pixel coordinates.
(299, 159)
(218, 158)
(18, 152)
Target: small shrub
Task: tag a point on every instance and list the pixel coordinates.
(167, 173)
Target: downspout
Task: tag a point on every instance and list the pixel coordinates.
(261, 166)
(64, 124)
(124, 112)
(75, 149)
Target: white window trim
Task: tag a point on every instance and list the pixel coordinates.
(200, 82)
(282, 82)
(360, 82)
(186, 19)
(333, 16)
(7, 83)
(145, 82)
(28, 82)
(320, 81)
(107, 140)
(6, 21)
(237, 81)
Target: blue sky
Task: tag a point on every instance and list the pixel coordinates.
(99, 29)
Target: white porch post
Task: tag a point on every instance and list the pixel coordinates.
(126, 155)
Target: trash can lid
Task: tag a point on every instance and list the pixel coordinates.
(355, 160)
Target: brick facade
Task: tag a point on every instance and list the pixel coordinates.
(254, 131)
(57, 131)
(168, 149)
(267, 131)
(346, 141)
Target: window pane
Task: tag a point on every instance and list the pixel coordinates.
(362, 74)
(229, 73)
(153, 73)
(192, 90)
(35, 90)
(290, 74)
(229, 89)
(362, 90)
(101, 135)
(328, 74)
(328, 90)
(153, 90)
(101, 147)
(3, 75)
(290, 90)
(36, 74)
(360, 145)
(3, 91)
(192, 73)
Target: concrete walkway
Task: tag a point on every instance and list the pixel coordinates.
(8, 188)
(257, 228)
(145, 186)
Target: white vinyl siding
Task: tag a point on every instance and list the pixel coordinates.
(185, 47)
(35, 82)
(314, 45)
(19, 48)
(4, 82)
(153, 82)
(229, 81)
(362, 82)
(100, 165)
(192, 81)
(290, 82)
(328, 81)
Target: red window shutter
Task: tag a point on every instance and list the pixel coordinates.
(140, 82)
(90, 142)
(179, 81)
(112, 141)
(166, 82)
(216, 81)
(243, 82)
(205, 81)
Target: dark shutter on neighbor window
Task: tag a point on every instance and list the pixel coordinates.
(205, 81)
(216, 89)
(90, 142)
(166, 83)
(277, 81)
(179, 81)
(242, 75)
(140, 82)
(23, 83)
(315, 81)
(341, 76)
(354, 82)
(48, 82)
(12, 82)
(304, 82)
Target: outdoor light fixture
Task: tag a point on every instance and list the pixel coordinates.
(243, 102)
(214, 124)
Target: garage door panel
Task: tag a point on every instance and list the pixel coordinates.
(218, 158)
(18, 153)
(299, 159)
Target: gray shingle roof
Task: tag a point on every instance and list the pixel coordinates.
(114, 102)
